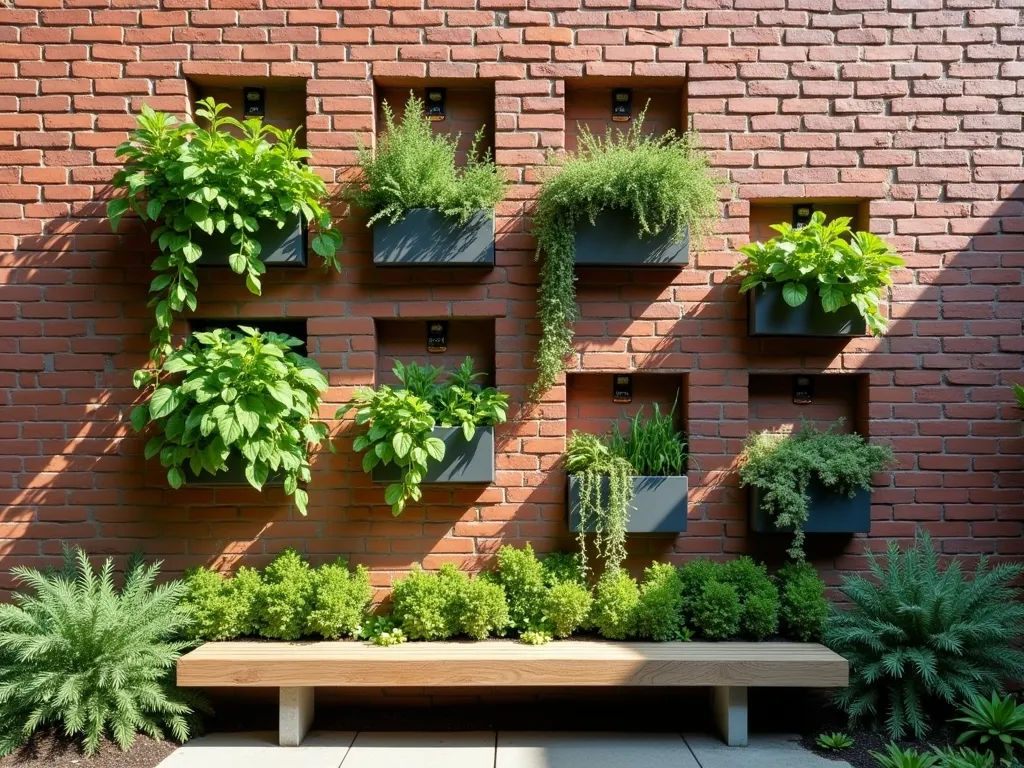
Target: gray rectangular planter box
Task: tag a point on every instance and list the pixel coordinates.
(770, 315)
(279, 247)
(463, 462)
(659, 504)
(234, 475)
(424, 237)
(829, 512)
(612, 241)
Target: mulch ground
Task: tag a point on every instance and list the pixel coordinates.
(51, 750)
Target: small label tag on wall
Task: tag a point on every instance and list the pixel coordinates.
(802, 215)
(622, 388)
(622, 105)
(255, 100)
(435, 104)
(437, 336)
(803, 387)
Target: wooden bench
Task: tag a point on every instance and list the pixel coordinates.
(298, 668)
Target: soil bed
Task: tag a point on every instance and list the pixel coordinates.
(50, 749)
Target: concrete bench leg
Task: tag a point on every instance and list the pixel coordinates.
(730, 707)
(296, 715)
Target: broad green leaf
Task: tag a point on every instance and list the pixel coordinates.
(393, 493)
(435, 447)
(401, 443)
(257, 475)
(794, 294)
(163, 401)
(153, 446)
(282, 392)
(175, 477)
(301, 499)
(290, 484)
(140, 417)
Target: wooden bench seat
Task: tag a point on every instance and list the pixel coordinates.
(298, 668)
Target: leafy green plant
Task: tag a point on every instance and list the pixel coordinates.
(782, 466)
(286, 598)
(340, 600)
(483, 609)
(243, 395)
(221, 608)
(965, 758)
(191, 181)
(415, 168)
(91, 659)
(653, 447)
(717, 611)
(560, 567)
(803, 607)
(535, 637)
(758, 595)
(919, 634)
(567, 605)
(664, 182)
(606, 515)
(693, 575)
(522, 575)
(381, 630)
(400, 421)
(841, 266)
(659, 612)
(898, 757)
(998, 720)
(615, 604)
(425, 605)
(834, 742)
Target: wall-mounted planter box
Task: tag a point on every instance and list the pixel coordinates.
(426, 238)
(659, 504)
(464, 461)
(612, 241)
(284, 247)
(234, 475)
(828, 512)
(770, 315)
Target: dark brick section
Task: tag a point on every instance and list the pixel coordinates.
(905, 111)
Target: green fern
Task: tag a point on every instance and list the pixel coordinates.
(92, 660)
(920, 635)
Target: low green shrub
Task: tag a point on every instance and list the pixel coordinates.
(567, 605)
(693, 575)
(340, 600)
(563, 566)
(426, 605)
(522, 575)
(615, 603)
(717, 611)
(803, 606)
(758, 594)
(286, 598)
(896, 756)
(207, 597)
(483, 609)
(998, 721)
(659, 612)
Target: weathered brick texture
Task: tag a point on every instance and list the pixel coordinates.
(911, 108)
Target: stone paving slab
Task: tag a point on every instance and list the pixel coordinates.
(764, 751)
(592, 750)
(421, 750)
(260, 750)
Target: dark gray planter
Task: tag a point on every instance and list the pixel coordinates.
(659, 504)
(424, 237)
(770, 315)
(829, 512)
(612, 241)
(284, 247)
(463, 462)
(234, 475)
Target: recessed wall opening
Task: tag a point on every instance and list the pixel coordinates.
(283, 99)
(764, 214)
(407, 340)
(589, 102)
(832, 396)
(296, 328)
(467, 107)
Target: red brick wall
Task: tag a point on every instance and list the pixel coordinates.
(911, 105)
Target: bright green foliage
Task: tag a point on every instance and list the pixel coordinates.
(381, 630)
(563, 566)
(997, 720)
(897, 757)
(243, 396)
(535, 637)
(400, 421)
(717, 611)
(566, 607)
(835, 741)
(219, 610)
(426, 605)
(653, 447)
(659, 612)
(693, 575)
(483, 609)
(841, 266)
(615, 605)
(92, 660)
(782, 465)
(522, 575)
(1018, 392)
(244, 590)
(605, 515)
(664, 182)
(340, 600)
(918, 634)
(286, 597)
(803, 607)
(966, 758)
(189, 180)
(415, 168)
(759, 597)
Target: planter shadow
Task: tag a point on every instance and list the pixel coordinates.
(828, 512)
(659, 504)
(285, 247)
(425, 237)
(768, 314)
(612, 241)
(464, 461)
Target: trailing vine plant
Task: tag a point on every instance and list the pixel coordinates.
(663, 181)
(781, 465)
(193, 181)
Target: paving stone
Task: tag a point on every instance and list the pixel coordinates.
(593, 750)
(763, 751)
(260, 750)
(421, 750)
